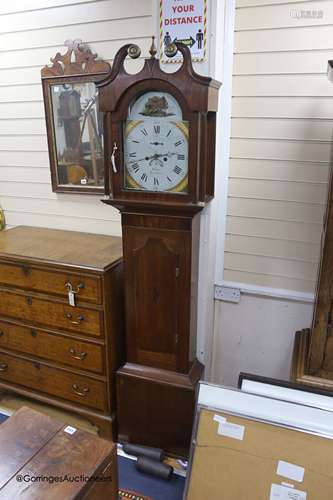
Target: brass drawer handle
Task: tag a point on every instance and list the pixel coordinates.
(79, 319)
(70, 287)
(3, 367)
(77, 355)
(33, 333)
(83, 392)
(29, 301)
(2, 333)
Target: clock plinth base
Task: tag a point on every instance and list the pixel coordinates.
(156, 407)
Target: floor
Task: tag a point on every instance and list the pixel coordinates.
(157, 489)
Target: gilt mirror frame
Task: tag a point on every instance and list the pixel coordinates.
(81, 168)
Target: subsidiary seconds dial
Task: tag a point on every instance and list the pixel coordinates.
(156, 155)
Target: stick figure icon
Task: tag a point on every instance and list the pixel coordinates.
(167, 39)
(199, 38)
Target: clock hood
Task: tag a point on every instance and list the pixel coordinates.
(200, 92)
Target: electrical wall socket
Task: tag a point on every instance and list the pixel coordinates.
(227, 294)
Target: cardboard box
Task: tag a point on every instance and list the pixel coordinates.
(239, 458)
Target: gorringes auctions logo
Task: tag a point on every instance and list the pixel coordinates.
(81, 478)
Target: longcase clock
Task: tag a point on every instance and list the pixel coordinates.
(160, 148)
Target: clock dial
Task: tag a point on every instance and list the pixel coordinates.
(156, 145)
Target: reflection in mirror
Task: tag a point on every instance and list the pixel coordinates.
(78, 134)
(74, 124)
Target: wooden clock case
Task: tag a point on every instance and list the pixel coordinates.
(156, 387)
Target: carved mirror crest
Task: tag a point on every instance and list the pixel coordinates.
(74, 124)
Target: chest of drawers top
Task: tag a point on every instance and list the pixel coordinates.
(60, 248)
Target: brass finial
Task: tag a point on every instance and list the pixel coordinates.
(171, 50)
(153, 50)
(134, 51)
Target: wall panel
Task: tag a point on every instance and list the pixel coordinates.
(17, 5)
(282, 85)
(275, 209)
(30, 20)
(274, 229)
(306, 38)
(282, 249)
(22, 126)
(283, 107)
(271, 16)
(280, 62)
(285, 128)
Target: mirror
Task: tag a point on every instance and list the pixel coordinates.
(74, 124)
(78, 134)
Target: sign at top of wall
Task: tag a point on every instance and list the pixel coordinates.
(184, 21)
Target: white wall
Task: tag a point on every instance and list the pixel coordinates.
(280, 142)
(256, 336)
(32, 31)
(281, 131)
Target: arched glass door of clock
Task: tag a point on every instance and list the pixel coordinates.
(156, 145)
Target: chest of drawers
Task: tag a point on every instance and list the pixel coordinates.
(61, 320)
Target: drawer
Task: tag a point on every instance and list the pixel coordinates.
(54, 314)
(68, 351)
(59, 383)
(88, 288)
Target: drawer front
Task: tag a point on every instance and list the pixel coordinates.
(54, 314)
(45, 345)
(87, 288)
(59, 383)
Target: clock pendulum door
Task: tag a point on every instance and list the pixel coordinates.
(160, 143)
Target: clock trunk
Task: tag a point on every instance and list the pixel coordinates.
(161, 256)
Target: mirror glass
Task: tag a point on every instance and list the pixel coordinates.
(78, 135)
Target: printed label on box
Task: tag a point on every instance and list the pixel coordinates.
(234, 431)
(291, 471)
(279, 492)
(219, 419)
(69, 429)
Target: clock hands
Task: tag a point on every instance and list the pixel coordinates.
(145, 158)
(153, 157)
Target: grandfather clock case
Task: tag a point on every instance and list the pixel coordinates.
(160, 148)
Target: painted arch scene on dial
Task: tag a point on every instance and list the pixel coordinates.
(156, 145)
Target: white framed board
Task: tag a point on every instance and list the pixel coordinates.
(253, 447)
